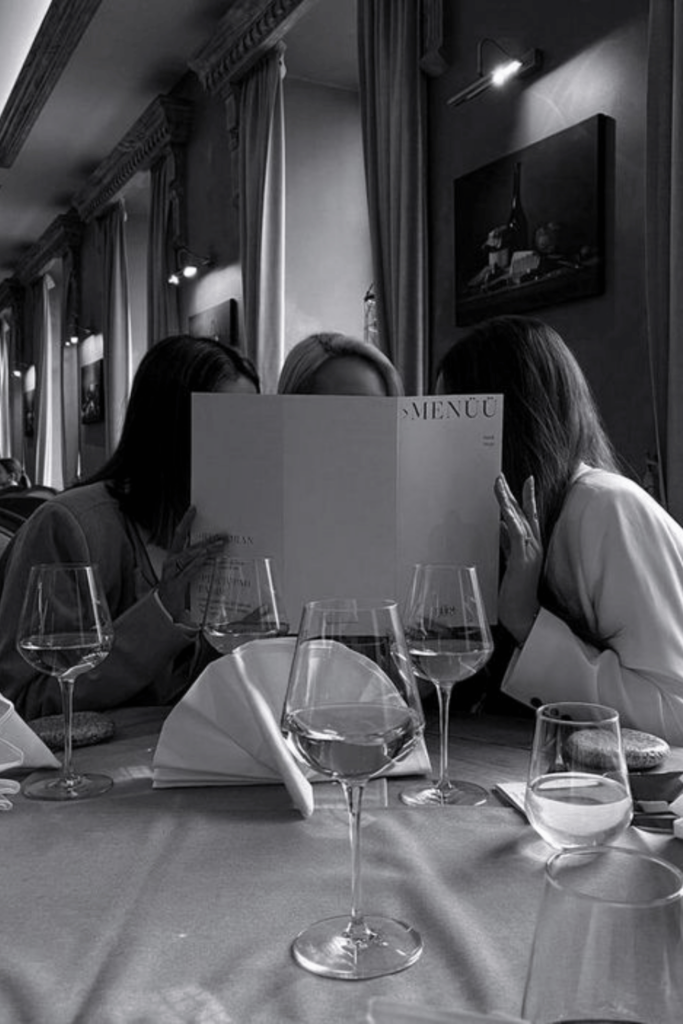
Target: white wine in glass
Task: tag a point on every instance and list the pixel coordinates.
(351, 710)
(65, 629)
(449, 640)
(243, 603)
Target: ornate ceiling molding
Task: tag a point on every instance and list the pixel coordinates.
(62, 235)
(166, 122)
(250, 29)
(57, 38)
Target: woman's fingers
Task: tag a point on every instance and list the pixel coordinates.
(530, 508)
(182, 531)
(520, 521)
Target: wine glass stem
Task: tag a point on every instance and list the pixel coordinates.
(444, 697)
(356, 930)
(67, 689)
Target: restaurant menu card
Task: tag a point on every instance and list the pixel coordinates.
(347, 493)
(226, 729)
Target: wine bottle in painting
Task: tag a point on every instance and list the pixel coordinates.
(518, 232)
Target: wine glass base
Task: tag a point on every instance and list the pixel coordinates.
(54, 787)
(464, 794)
(326, 949)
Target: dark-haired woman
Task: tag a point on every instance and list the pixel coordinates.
(133, 518)
(592, 589)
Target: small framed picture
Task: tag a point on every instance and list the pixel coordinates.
(92, 392)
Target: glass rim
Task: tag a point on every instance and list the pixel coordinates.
(609, 714)
(464, 566)
(360, 604)
(60, 566)
(553, 866)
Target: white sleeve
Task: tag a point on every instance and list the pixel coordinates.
(626, 560)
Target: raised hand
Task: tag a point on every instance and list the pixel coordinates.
(183, 562)
(518, 602)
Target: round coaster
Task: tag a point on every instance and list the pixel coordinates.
(88, 727)
(642, 750)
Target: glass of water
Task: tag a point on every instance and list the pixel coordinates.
(608, 944)
(578, 791)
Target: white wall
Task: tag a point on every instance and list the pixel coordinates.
(328, 262)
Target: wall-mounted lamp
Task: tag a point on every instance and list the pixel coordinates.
(77, 334)
(511, 67)
(187, 265)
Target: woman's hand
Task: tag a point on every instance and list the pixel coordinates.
(518, 602)
(183, 563)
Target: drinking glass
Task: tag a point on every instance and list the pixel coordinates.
(608, 944)
(351, 709)
(449, 640)
(578, 792)
(65, 630)
(243, 603)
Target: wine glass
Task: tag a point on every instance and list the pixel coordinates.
(65, 629)
(243, 603)
(352, 709)
(608, 944)
(578, 792)
(449, 640)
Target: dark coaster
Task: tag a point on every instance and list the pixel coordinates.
(642, 750)
(88, 727)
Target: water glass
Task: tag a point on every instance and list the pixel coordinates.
(578, 792)
(608, 945)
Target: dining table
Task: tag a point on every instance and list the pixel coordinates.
(178, 905)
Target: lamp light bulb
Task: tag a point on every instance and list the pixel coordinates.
(503, 72)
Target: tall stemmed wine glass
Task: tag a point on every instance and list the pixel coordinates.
(243, 603)
(65, 629)
(351, 709)
(449, 640)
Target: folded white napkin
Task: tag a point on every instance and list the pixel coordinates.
(226, 729)
(17, 732)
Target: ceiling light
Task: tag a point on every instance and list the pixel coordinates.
(512, 67)
(187, 265)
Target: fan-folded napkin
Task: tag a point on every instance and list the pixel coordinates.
(226, 729)
(17, 732)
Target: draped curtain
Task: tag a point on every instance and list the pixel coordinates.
(5, 397)
(393, 112)
(49, 409)
(664, 242)
(70, 382)
(262, 214)
(162, 298)
(115, 320)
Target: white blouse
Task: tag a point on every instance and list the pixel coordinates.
(615, 561)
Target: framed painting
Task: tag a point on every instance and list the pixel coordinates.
(529, 227)
(92, 392)
(29, 412)
(219, 322)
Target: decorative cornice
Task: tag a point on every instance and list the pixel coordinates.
(166, 122)
(57, 38)
(63, 234)
(244, 35)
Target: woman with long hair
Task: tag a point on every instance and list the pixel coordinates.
(592, 587)
(133, 518)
